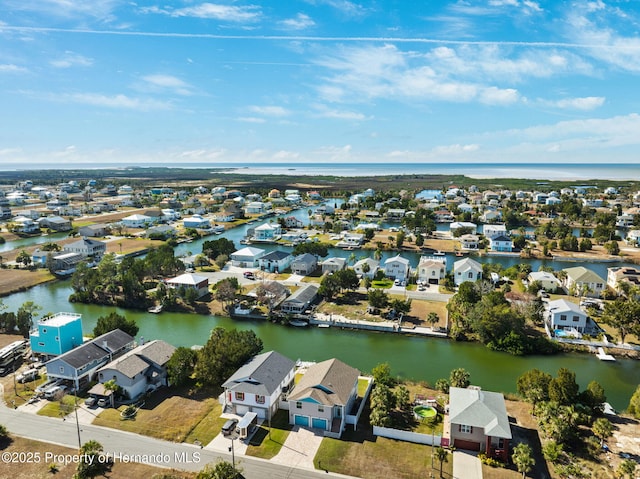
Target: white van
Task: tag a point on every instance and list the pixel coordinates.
(27, 375)
(55, 392)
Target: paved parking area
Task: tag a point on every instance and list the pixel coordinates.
(466, 465)
(300, 448)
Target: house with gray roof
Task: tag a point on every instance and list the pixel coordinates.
(478, 421)
(581, 281)
(80, 364)
(276, 261)
(324, 397)
(97, 230)
(140, 369)
(304, 264)
(331, 265)
(299, 301)
(259, 385)
(89, 248)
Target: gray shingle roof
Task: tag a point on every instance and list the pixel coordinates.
(329, 382)
(97, 348)
(261, 375)
(485, 409)
(275, 256)
(304, 295)
(138, 360)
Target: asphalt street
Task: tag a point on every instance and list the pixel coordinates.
(128, 447)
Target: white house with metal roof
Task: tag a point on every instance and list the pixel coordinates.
(566, 315)
(466, 269)
(581, 281)
(190, 281)
(247, 257)
(397, 267)
(259, 385)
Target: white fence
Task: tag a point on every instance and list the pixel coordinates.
(408, 436)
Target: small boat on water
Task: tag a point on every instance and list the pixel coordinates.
(324, 325)
(155, 309)
(298, 324)
(439, 253)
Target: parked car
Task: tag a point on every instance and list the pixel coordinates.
(46, 385)
(229, 427)
(103, 402)
(55, 392)
(91, 401)
(249, 275)
(27, 375)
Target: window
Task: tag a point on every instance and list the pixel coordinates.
(320, 408)
(61, 369)
(41, 344)
(465, 429)
(259, 399)
(470, 274)
(298, 405)
(44, 330)
(239, 396)
(57, 338)
(563, 317)
(598, 285)
(576, 318)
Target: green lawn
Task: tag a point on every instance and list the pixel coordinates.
(58, 408)
(265, 445)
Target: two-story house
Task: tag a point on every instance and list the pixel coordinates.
(581, 281)
(304, 264)
(566, 315)
(56, 334)
(259, 385)
(431, 270)
(397, 267)
(466, 269)
(276, 261)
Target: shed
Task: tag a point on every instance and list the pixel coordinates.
(245, 423)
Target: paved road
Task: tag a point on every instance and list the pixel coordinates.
(125, 446)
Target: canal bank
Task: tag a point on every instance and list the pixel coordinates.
(418, 358)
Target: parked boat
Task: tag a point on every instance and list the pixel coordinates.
(155, 309)
(298, 324)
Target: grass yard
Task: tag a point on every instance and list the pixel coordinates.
(169, 414)
(267, 446)
(209, 427)
(59, 408)
(364, 455)
(14, 280)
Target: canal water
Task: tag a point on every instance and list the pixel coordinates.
(417, 358)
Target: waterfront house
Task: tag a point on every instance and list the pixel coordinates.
(395, 214)
(466, 269)
(26, 225)
(304, 264)
(55, 223)
(633, 238)
(190, 281)
(161, 231)
(372, 267)
(469, 242)
(224, 217)
(472, 227)
(491, 231)
(625, 220)
(431, 270)
(566, 315)
(259, 385)
(56, 334)
(397, 267)
(275, 261)
(94, 231)
(324, 396)
(443, 216)
(623, 274)
(88, 248)
(581, 281)
(66, 262)
(479, 422)
(139, 370)
(267, 232)
(137, 221)
(197, 222)
(247, 257)
(547, 280)
(331, 265)
(299, 301)
(501, 243)
(490, 215)
(80, 364)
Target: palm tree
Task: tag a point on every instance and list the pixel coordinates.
(523, 458)
(377, 254)
(442, 455)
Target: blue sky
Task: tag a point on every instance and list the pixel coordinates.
(106, 81)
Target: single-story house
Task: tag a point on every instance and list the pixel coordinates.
(566, 315)
(299, 301)
(137, 221)
(331, 265)
(55, 223)
(371, 269)
(479, 422)
(140, 369)
(164, 231)
(324, 396)
(466, 269)
(275, 261)
(259, 385)
(86, 247)
(304, 264)
(196, 221)
(247, 257)
(80, 364)
(584, 282)
(397, 267)
(67, 261)
(547, 280)
(94, 231)
(431, 270)
(190, 281)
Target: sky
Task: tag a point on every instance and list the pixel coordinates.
(298, 81)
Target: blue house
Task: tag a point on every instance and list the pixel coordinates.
(57, 334)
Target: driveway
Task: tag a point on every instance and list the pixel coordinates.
(466, 465)
(300, 448)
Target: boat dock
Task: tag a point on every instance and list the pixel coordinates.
(602, 356)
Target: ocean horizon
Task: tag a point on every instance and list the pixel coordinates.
(531, 171)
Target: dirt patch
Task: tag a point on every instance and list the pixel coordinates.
(14, 280)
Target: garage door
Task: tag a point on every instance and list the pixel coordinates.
(301, 420)
(433, 280)
(319, 423)
(241, 410)
(261, 413)
(467, 445)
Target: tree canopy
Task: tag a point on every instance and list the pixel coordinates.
(115, 321)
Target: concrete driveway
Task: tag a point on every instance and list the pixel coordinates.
(466, 465)
(300, 448)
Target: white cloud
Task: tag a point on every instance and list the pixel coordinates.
(252, 119)
(299, 22)
(346, 7)
(10, 68)
(161, 82)
(200, 155)
(284, 155)
(97, 9)
(583, 104)
(498, 96)
(456, 149)
(226, 13)
(273, 111)
(340, 114)
(114, 101)
(70, 59)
